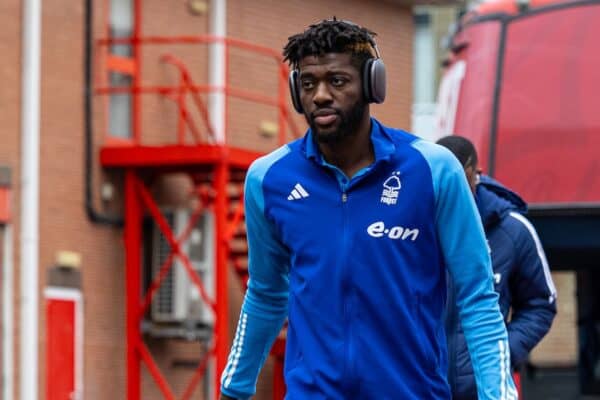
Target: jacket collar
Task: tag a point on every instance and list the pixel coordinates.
(382, 143)
(494, 201)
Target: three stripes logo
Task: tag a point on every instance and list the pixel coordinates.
(298, 192)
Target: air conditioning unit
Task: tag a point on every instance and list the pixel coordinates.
(178, 300)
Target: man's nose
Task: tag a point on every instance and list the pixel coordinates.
(322, 94)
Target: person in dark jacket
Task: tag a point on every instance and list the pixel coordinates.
(527, 295)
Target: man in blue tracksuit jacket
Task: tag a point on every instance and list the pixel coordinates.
(521, 274)
(351, 230)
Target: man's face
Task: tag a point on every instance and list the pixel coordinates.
(331, 95)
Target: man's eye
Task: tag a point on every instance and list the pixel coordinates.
(337, 81)
(307, 85)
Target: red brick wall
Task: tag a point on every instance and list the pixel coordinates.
(10, 124)
(63, 222)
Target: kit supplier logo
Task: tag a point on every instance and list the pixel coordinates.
(378, 229)
(297, 193)
(391, 188)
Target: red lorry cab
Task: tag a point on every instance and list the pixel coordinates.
(523, 82)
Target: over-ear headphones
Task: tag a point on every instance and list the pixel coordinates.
(373, 79)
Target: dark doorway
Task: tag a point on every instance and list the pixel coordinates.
(571, 239)
(588, 327)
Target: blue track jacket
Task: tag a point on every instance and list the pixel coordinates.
(358, 267)
(521, 277)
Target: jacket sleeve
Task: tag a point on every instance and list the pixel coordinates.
(533, 292)
(467, 259)
(265, 304)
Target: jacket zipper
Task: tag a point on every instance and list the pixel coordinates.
(350, 383)
(350, 378)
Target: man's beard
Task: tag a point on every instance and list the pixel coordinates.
(348, 125)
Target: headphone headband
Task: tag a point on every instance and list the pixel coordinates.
(376, 50)
(373, 75)
(371, 39)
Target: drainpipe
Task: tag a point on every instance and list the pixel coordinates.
(93, 214)
(7, 315)
(216, 68)
(217, 109)
(30, 169)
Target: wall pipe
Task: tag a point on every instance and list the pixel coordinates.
(29, 222)
(216, 68)
(93, 215)
(7, 315)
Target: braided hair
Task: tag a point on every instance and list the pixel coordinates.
(331, 36)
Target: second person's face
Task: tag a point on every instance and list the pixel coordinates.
(472, 172)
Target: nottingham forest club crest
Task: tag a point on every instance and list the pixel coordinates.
(391, 188)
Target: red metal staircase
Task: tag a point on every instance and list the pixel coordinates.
(217, 171)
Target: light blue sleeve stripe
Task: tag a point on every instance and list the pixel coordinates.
(265, 304)
(467, 259)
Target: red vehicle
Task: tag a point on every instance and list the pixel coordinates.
(522, 81)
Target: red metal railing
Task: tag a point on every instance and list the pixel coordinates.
(131, 66)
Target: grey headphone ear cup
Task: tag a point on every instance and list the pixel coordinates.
(376, 80)
(295, 91)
